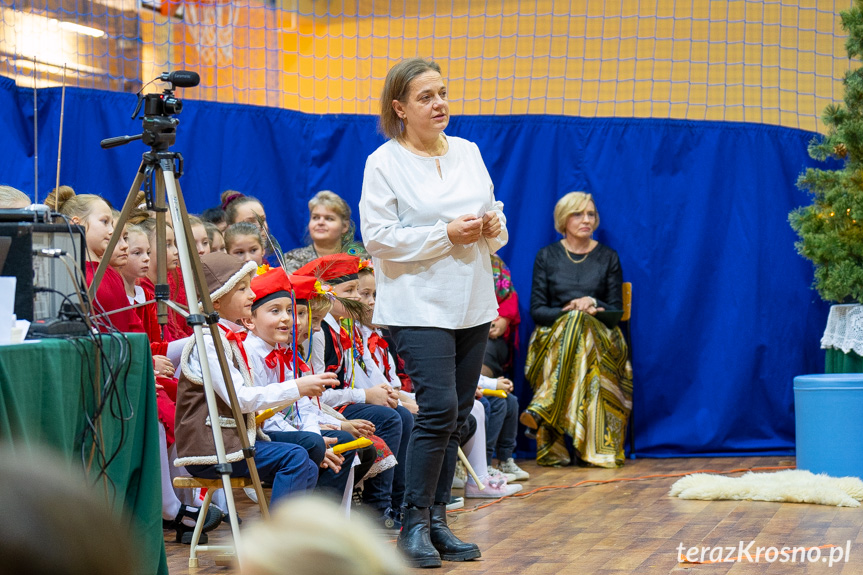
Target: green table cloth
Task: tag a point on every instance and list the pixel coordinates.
(46, 388)
(837, 362)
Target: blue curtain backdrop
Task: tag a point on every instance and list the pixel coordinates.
(724, 313)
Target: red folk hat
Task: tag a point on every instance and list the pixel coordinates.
(332, 269)
(270, 285)
(306, 288)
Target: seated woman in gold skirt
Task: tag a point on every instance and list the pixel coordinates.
(576, 365)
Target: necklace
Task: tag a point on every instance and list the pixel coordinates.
(442, 147)
(566, 251)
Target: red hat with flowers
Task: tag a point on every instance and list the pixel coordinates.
(306, 288)
(272, 284)
(332, 269)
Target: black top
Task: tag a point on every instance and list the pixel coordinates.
(557, 280)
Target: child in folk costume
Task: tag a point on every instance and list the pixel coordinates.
(285, 465)
(271, 355)
(381, 364)
(318, 308)
(344, 355)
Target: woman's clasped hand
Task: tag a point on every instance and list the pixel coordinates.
(585, 304)
(468, 229)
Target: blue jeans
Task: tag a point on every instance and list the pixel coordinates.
(311, 442)
(444, 366)
(501, 426)
(285, 465)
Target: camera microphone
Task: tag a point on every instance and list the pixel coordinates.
(181, 78)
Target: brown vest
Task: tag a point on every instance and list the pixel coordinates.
(192, 431)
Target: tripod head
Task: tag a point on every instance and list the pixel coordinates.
(160, 128)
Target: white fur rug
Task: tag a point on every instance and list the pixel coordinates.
(791, 486)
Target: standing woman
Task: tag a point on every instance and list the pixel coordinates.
(430, 221)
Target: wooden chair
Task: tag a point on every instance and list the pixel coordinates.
(627, 315)
(627, 301)
(212, 485)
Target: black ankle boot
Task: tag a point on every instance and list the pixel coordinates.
(414, 539)
(450, 547)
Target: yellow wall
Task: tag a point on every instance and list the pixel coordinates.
(753, 61)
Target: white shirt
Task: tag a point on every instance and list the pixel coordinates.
(376, 372)
(486, 382)
(249, 398)
(422, 278)
(286, 420)
(139, 296)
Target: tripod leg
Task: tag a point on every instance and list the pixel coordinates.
(166, 173)
(207, 306)
(162, 255)
(118, 231)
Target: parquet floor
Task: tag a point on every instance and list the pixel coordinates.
(624, 527)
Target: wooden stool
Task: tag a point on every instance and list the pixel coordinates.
(212, 485)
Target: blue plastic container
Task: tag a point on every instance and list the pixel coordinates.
(829, 423)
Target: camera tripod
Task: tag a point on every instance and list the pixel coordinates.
(163, 167)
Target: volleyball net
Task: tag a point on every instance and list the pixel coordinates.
(773, 62)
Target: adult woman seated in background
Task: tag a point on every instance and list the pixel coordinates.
(331, 231)
(577, 367)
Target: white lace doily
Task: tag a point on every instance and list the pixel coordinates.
(844, 329)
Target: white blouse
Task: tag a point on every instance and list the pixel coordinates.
(422, 278)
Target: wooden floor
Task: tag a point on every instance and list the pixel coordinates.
(622, 527)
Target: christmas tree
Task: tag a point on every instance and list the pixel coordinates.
(831, 228)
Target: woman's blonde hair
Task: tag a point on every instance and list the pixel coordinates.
(331, 201)
(569, 204)
(397, 86)
(65, 201)
(334, 202)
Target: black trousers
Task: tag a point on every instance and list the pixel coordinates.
(444, 366)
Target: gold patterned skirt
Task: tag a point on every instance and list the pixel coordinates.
(582, 387)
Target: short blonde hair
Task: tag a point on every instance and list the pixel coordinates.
(311, 536)
(336, 204)
(13, 198)
(331, 201)
(569, 204)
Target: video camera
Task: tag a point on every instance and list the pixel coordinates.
(160, 129)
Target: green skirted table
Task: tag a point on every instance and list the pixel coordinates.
(843, 339)
(46, 388)
(835, 361)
